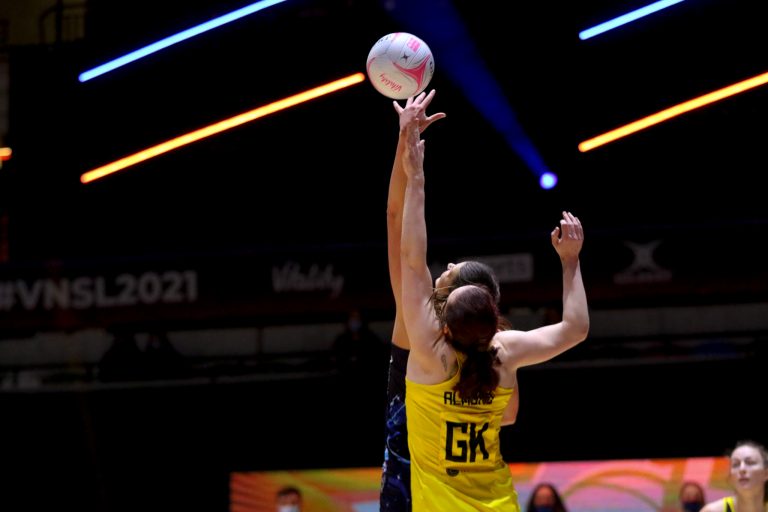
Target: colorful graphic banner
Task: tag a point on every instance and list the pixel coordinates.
(650, 485)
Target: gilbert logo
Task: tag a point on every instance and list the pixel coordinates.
(291, 278)
(643, 268)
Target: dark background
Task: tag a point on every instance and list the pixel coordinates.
(313, 180)
(317, 173)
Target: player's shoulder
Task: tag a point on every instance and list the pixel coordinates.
(507, 338)
(506, 343)
(715, 506)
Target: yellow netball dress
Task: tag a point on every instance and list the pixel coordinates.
(456, 459)
(730, 506)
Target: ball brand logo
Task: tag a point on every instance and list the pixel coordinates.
(389, 83)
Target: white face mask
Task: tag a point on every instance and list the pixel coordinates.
(288, 508)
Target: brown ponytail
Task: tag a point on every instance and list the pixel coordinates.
(472, 318)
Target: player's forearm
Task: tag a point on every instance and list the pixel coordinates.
(395, 198)
(575, 307)
(414, 233)
(397, 181)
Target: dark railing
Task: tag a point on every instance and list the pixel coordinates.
(67, 20)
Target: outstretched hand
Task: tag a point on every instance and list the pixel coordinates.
(568, 238)
(416, 110)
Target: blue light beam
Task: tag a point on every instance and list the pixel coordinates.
(547, 181)
(440, 25)
(626, 18)
(176, 38)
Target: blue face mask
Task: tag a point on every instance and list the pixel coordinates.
(355, 325)
(692, 506)
(546, 508)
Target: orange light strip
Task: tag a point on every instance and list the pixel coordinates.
(674, 111)
(5, 154)
(221, 126)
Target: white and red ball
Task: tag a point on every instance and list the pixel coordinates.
(400, 65)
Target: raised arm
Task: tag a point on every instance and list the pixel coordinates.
(544, 343)
(414, 111)
(418, 313)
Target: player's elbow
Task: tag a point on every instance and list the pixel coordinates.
(582, 330)
(578, 329)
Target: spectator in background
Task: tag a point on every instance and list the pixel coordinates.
(545, 498)
(123, 360)
(748, 477)
(288, 499)
(692, 498)
(359, 351)
(162, 360)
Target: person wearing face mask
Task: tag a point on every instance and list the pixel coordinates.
(288, 500)
(545, 498)
(748, 477)
(691, 497)
(360, 354)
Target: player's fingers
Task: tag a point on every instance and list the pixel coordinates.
(431, 119)
(577, 227)
(428, 97)
(574, 226)
(555, 235)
